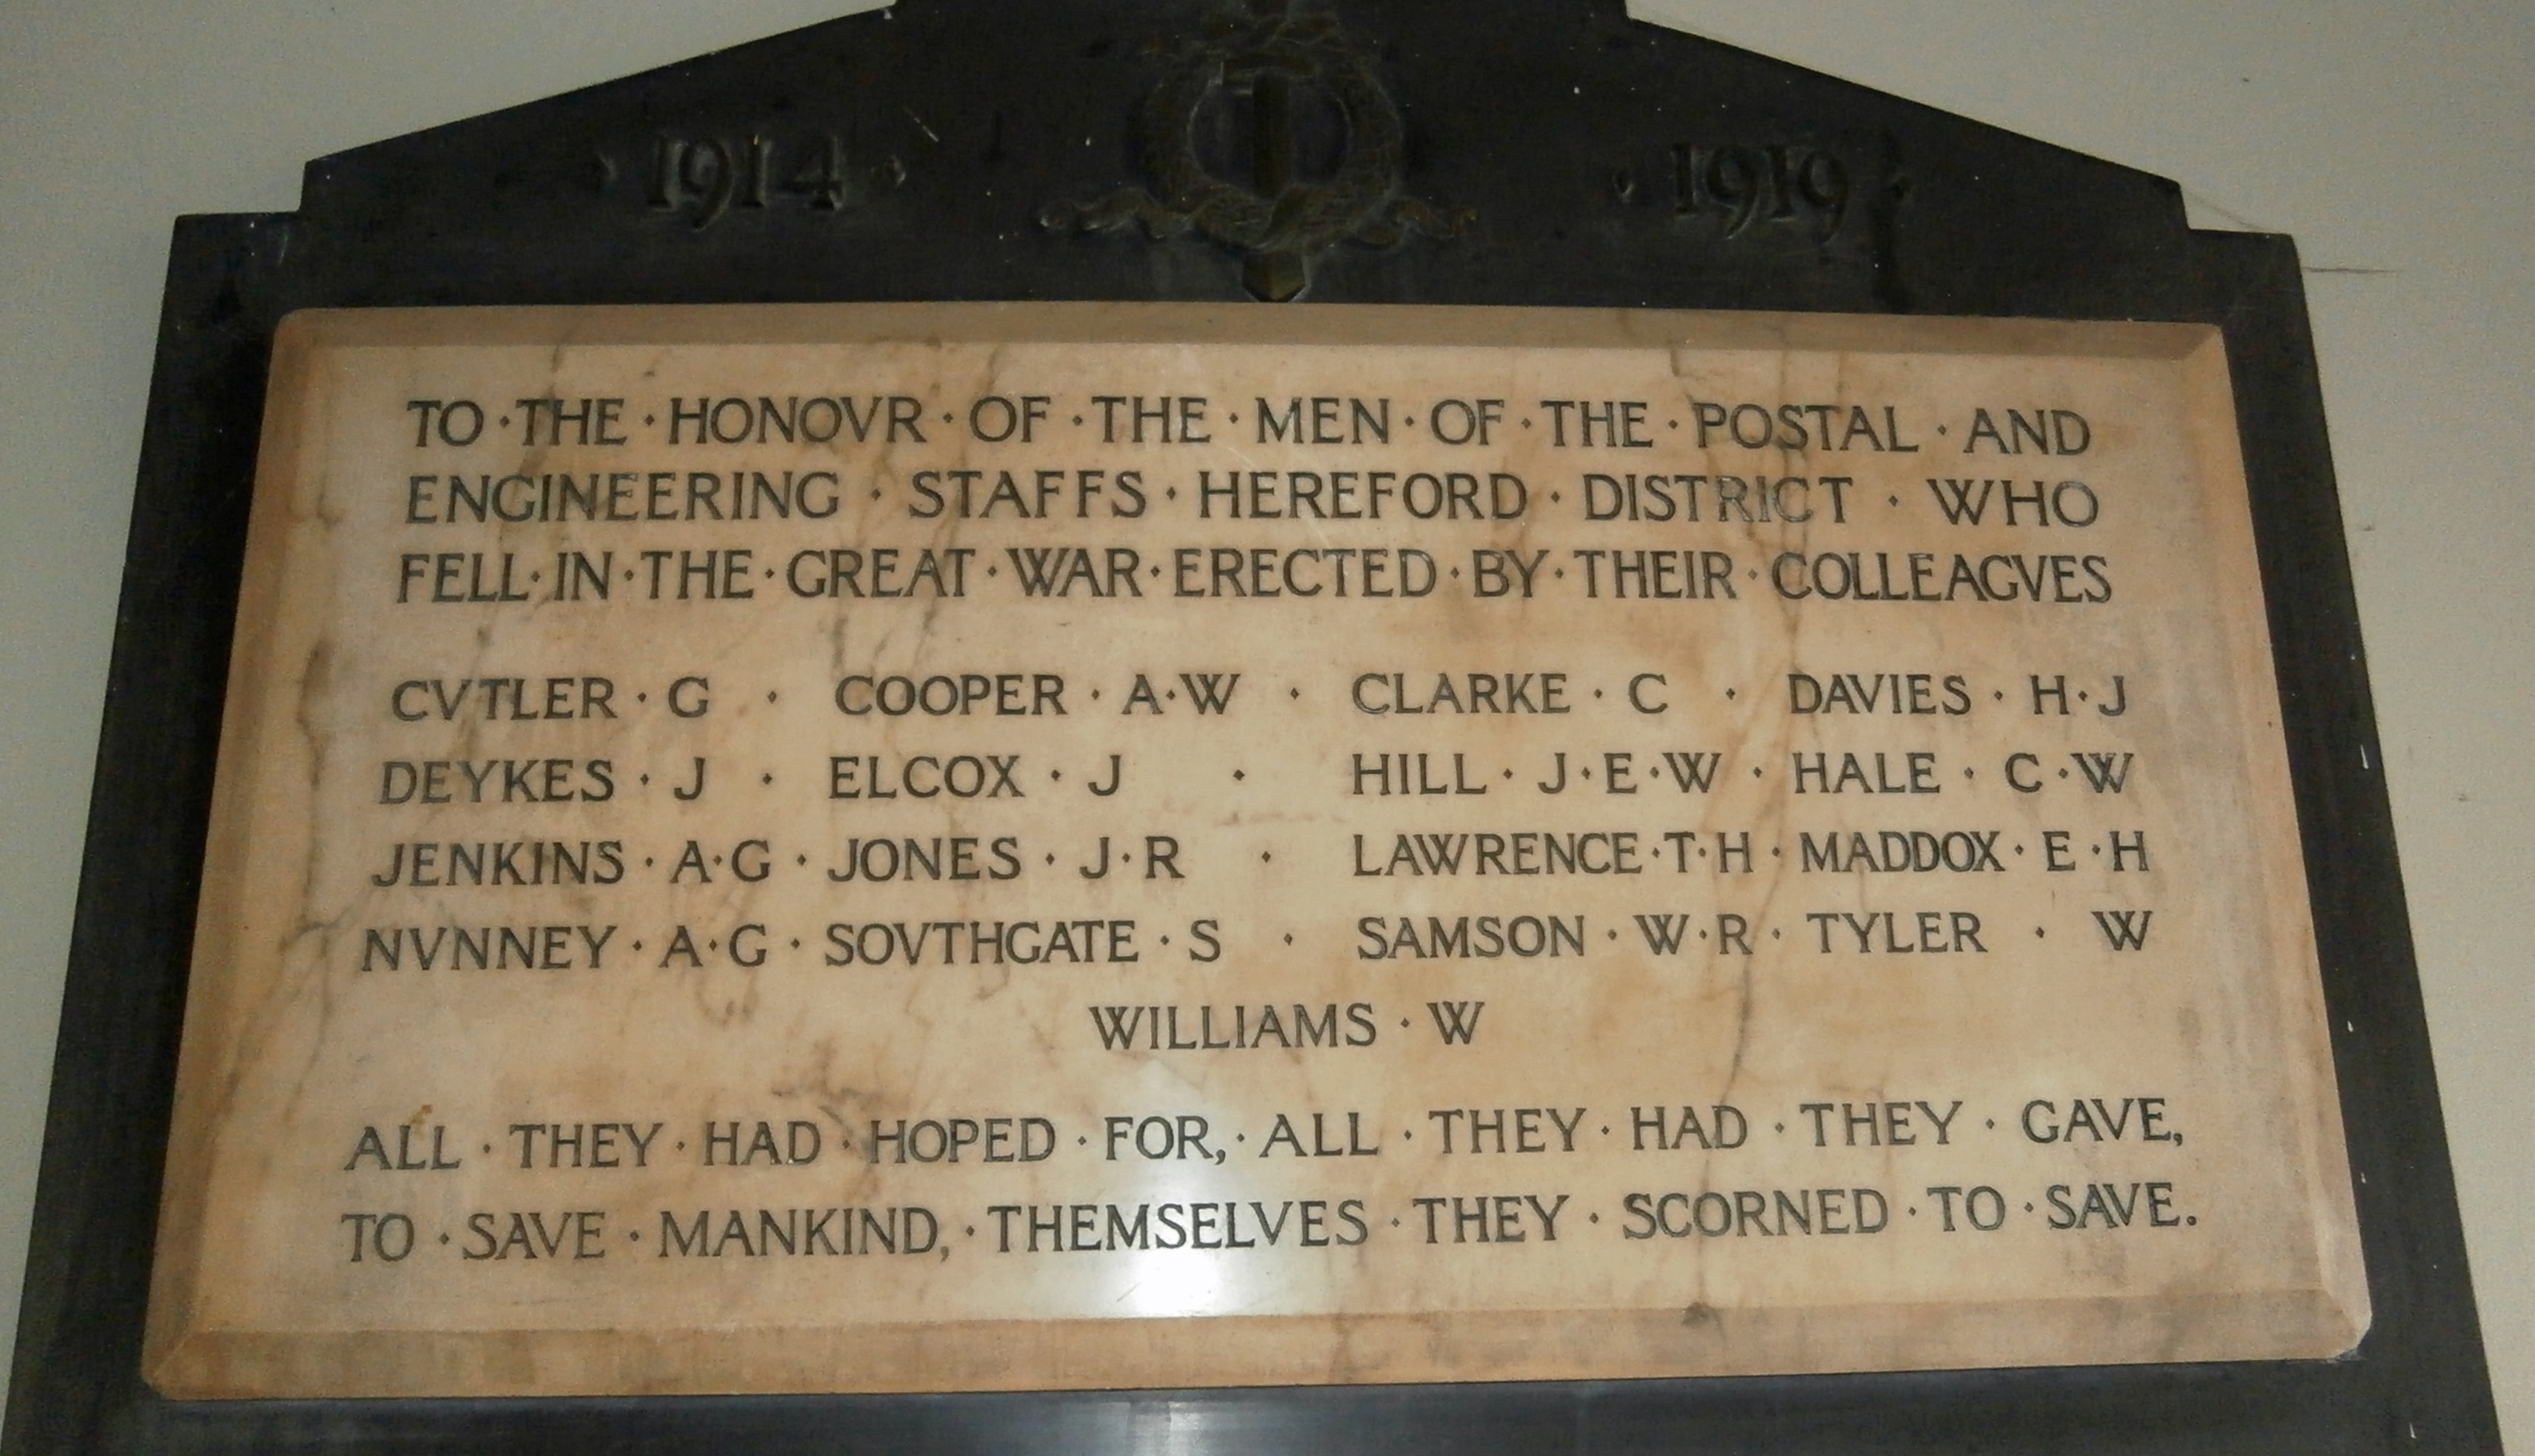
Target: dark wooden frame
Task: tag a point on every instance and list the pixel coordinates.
(1545, 139)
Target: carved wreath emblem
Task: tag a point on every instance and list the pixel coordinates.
(1280, 227)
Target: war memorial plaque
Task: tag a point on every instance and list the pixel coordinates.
(938, 847)
(1382, 726)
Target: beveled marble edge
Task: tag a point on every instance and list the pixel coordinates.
(1408, 324)
(2323, 1157)
(1257, 1351)
(215, 990)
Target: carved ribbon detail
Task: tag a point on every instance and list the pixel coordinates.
(1278, 227)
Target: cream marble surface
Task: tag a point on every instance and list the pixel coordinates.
(1949, 1121)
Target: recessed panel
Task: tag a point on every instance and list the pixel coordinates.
(950, 847)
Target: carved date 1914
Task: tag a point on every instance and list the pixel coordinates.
(702, 178)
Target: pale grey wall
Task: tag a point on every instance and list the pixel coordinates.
(2392, 139)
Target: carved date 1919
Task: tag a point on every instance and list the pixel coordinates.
(1797, 186)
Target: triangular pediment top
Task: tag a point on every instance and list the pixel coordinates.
(1337, 150)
